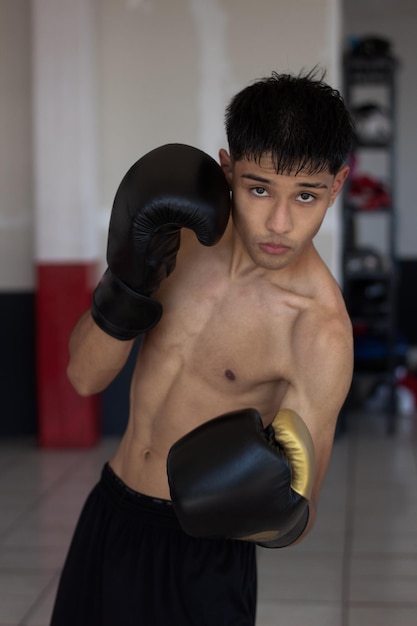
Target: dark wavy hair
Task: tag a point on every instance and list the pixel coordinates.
(299, 120)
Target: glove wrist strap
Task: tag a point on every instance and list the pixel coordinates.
(121, 312)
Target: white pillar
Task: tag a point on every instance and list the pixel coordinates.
(65, 187)
(65, 121)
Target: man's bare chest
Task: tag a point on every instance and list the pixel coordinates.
(233, 334)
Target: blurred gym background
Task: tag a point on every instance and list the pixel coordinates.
(87, 87)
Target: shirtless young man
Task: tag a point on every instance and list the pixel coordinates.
(252, 320)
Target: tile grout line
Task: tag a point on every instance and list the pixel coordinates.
(37, 499)
(17, 455)
(49, 586)
(348, 535)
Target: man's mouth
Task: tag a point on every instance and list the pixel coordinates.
(274, 248)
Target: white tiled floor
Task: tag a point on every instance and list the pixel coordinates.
(357, 568)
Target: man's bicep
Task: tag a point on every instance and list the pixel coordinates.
(317, 394)
(321, 375)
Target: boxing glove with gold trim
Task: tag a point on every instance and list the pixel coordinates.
(232, 478)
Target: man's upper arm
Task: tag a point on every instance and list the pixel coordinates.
(320, 381)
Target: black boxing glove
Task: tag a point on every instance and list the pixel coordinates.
(232, 478)
(172, 187)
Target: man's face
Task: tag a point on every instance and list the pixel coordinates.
(277, 215)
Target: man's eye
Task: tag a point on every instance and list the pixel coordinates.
(306, 197)
(259, 191)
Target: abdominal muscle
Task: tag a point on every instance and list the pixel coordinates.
(173, 392)
(160, 415)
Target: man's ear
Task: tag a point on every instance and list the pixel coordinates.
(226, 164)
(338, 183)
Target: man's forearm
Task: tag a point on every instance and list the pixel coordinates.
(95, 357)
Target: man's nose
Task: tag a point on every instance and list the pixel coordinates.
(280, 218)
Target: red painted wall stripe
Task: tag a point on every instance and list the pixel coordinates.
(65, 419)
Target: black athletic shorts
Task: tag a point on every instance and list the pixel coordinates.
(130, 564)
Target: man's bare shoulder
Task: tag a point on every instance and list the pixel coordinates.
(323, 340)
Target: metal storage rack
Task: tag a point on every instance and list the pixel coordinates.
(369, 272)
